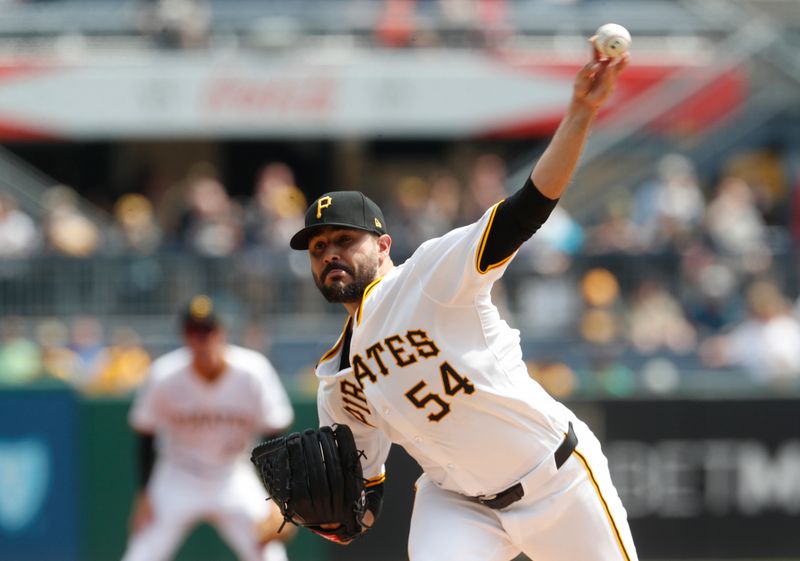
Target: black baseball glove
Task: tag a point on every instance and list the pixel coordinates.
(315, 478)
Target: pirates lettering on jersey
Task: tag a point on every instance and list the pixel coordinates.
(401, 356)
(355, 402)
(401, 348)
(425, 347)
(361, 371)
(374, 352)
(405, 350)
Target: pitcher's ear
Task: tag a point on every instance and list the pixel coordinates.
(384, 243)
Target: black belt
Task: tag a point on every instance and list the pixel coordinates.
(516, 492)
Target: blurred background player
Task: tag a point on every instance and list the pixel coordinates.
(203, 405)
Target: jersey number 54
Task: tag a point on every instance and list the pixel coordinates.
(452, 381)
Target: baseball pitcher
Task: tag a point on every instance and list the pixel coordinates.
(425, 361)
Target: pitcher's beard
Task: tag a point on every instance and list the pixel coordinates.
(343, 293)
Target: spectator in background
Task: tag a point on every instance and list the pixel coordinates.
(122, 366)
(669, 209)
(58, 361)
(396, 27)
(442, 210)
(601, 327)
(176, 24)
(87, 345)
(420, 210)
(212, 224)
(766, 344)
(548, 302)
(616, 232)
(656, 321)
(550, 252)
(557, 378)
(736, 226)
(486, 21)
(20, 358)
(709, 296)
(277, 208)
(18, 233)
(486, 185)
(405, 214)
(140, 232)
(67, 230)
(762, 168)
(171, 198)
(494, 25)
(274, 213)
(602, 300)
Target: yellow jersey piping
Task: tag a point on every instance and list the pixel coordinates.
(482, 245)
(617, 535)
(367, 290)
(377, 480)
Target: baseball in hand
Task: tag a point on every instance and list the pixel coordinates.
(612, 40)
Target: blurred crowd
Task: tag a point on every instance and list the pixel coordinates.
(196, 215)
(188, 24)
(75, 354)
(694, 275)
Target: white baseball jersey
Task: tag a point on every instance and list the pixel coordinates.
(206, 426)
(435, 369)
(442, 374)
(205, 431)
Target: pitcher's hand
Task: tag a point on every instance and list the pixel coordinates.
(597, 80)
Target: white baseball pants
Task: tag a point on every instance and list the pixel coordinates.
(569, 514)
(181, 500)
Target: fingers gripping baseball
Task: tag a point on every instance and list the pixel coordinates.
(597, 79)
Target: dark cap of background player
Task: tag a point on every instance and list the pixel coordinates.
(199, 315)
(348, 209)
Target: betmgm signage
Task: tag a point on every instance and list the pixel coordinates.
(707, 478)
(714, 477)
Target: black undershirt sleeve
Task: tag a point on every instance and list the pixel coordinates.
(147, 458)
(516, 219)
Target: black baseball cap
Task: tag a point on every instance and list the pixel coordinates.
(199, 315)
(348, 209)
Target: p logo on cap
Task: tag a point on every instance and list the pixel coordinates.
(322, 204)
(344, 209)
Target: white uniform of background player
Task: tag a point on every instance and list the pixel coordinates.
(205, 430)
(429, 364)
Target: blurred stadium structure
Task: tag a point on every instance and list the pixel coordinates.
(618, 300)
